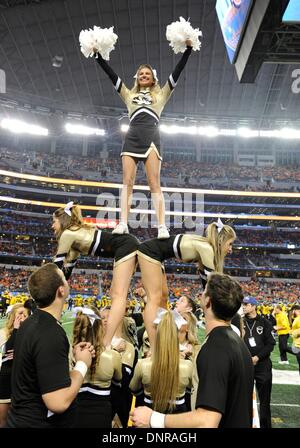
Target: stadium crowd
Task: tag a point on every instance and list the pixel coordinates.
(193, 173)
(96, 285)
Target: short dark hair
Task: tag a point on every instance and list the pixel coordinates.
(226, 296)
(44, 283)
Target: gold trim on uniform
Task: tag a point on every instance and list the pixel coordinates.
(132, 254)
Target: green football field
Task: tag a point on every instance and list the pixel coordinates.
(285, 402)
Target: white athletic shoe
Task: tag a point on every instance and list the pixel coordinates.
(283, 362)
(121, 229)
(163, 232)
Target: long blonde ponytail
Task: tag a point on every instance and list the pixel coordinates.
(217, 240)
(165, 365)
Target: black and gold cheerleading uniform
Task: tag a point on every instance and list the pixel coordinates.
(144, 109)
(94, 397)
(95, 242)
(185, 247)
(6, 367)
(121, 394)
(141, 383)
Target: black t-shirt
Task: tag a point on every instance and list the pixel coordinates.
(237, 321)
(225, 373)
(40, 366)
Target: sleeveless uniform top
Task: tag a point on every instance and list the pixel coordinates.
(109, 368)
(141, 381)
(95, 242)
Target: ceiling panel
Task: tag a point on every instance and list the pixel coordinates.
(32, 35)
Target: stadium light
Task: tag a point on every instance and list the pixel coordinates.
(124, 127)
(79, 129)
(212, 131)
(175, 129)
(269, 133)
(208, 131)
(20, 127)
(247, 133)
(228, 132)
(289, 133)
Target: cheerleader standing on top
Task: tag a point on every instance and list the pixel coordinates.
(145, 103)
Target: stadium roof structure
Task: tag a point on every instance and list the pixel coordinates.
(46, 72)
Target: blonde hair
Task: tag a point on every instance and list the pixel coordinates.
(155, 88)
(73, 222)
(11, 318)
(165, 365)
(84, 331)
(218, 240)
(192, 333)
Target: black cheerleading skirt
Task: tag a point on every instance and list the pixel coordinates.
(142, 137)
(93, 411)
(157, 251)
(110, 245)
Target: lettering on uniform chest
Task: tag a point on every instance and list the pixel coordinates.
(143, 98)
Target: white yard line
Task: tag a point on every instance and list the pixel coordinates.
(286, 405)
(286, 377)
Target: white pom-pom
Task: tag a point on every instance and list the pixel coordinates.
(98, 40)
(87, 42)
(178, 33)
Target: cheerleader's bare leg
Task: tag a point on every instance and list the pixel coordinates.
(122, 274)
(129, 172)
(152, 279)
(4, 407)
(152, 167)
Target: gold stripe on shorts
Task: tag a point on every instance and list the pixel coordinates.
(127, 257)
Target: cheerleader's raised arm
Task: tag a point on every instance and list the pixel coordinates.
(173, 78)
(115, 79)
